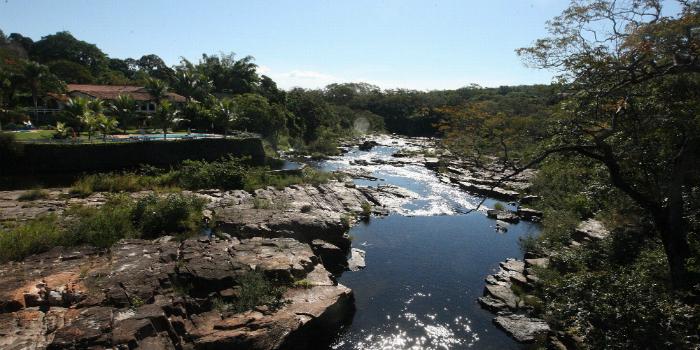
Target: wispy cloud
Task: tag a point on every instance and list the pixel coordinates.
(308, 79)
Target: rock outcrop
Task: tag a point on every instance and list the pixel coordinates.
(166, 294)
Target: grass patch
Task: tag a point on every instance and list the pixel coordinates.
(255, 289)
(306, 284)
(35, 236)
(120, 217)
(227, 174)
(33, 195)
(34, 135)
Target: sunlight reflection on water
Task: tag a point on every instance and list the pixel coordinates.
(409, 330)
(418, 315)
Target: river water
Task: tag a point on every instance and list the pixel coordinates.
(426, 263)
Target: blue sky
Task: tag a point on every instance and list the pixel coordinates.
(391, 43)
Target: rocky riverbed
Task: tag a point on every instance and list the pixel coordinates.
(168, 294)
(163, 294)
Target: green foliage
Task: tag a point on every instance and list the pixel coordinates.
(178, 214)
(33, 194)
(256, 289)
(366, 209)
(100, 227)
(227, 174)
(34, 236)
(618, 305)
(304, 283)
(120, 217)
(499, 206)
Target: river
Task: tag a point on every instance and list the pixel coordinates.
(426, 262)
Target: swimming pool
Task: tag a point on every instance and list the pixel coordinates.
(173, 136)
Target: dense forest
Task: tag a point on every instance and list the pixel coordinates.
(221, 87)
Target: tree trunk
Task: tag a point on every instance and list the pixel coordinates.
(677, 251)
(674, 233)
(36, 106)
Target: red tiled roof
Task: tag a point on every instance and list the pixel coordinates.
(111, 92)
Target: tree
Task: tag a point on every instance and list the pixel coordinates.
(192, 85)
(166, 116)
(226, 114)
(124, 109)
(63, 46)
(632, 77)
(256, 114)
(38, 79)
(268, 88)
(229, 75)
(106, 125)
(90, 120)
(155, 67)
(71, 72)
(74, 110)
(158, 89)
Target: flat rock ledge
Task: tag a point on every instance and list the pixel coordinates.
(165, 294)
(511, 308)
(514, 316)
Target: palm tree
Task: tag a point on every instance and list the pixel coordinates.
(106, 125)
(89, 119)
(33, 75)
(158, 89)
(226, 112)
(74, 110)
(166, 116)
(123, 107)
(96, 105)
(192, 85)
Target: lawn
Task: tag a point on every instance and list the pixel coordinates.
(34, 135)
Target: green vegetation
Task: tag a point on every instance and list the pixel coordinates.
(120, 217)
(256, 289)
(34, 135)
(227, 174)
(34, 194)
(34, 236)
(304, 283)
(499, 206)
(617, 145)
(366, 209)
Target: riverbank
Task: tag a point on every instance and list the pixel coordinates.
(166, 293)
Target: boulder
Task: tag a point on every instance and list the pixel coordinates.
(522, 328)
(529, 214)
(367, 145)
(503, 215)
(590, 230)
(502, 293)
(357, 260)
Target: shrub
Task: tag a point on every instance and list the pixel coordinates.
(256, 289)
(82, 188)
(33, 194)
(306, 284)
(32, 237)
(261, 203)
(175, 213)
(621, 307)
(499, 206)
(100, 227)
(226, 174)
(366, 209)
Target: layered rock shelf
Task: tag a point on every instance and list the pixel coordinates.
(168, 294)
